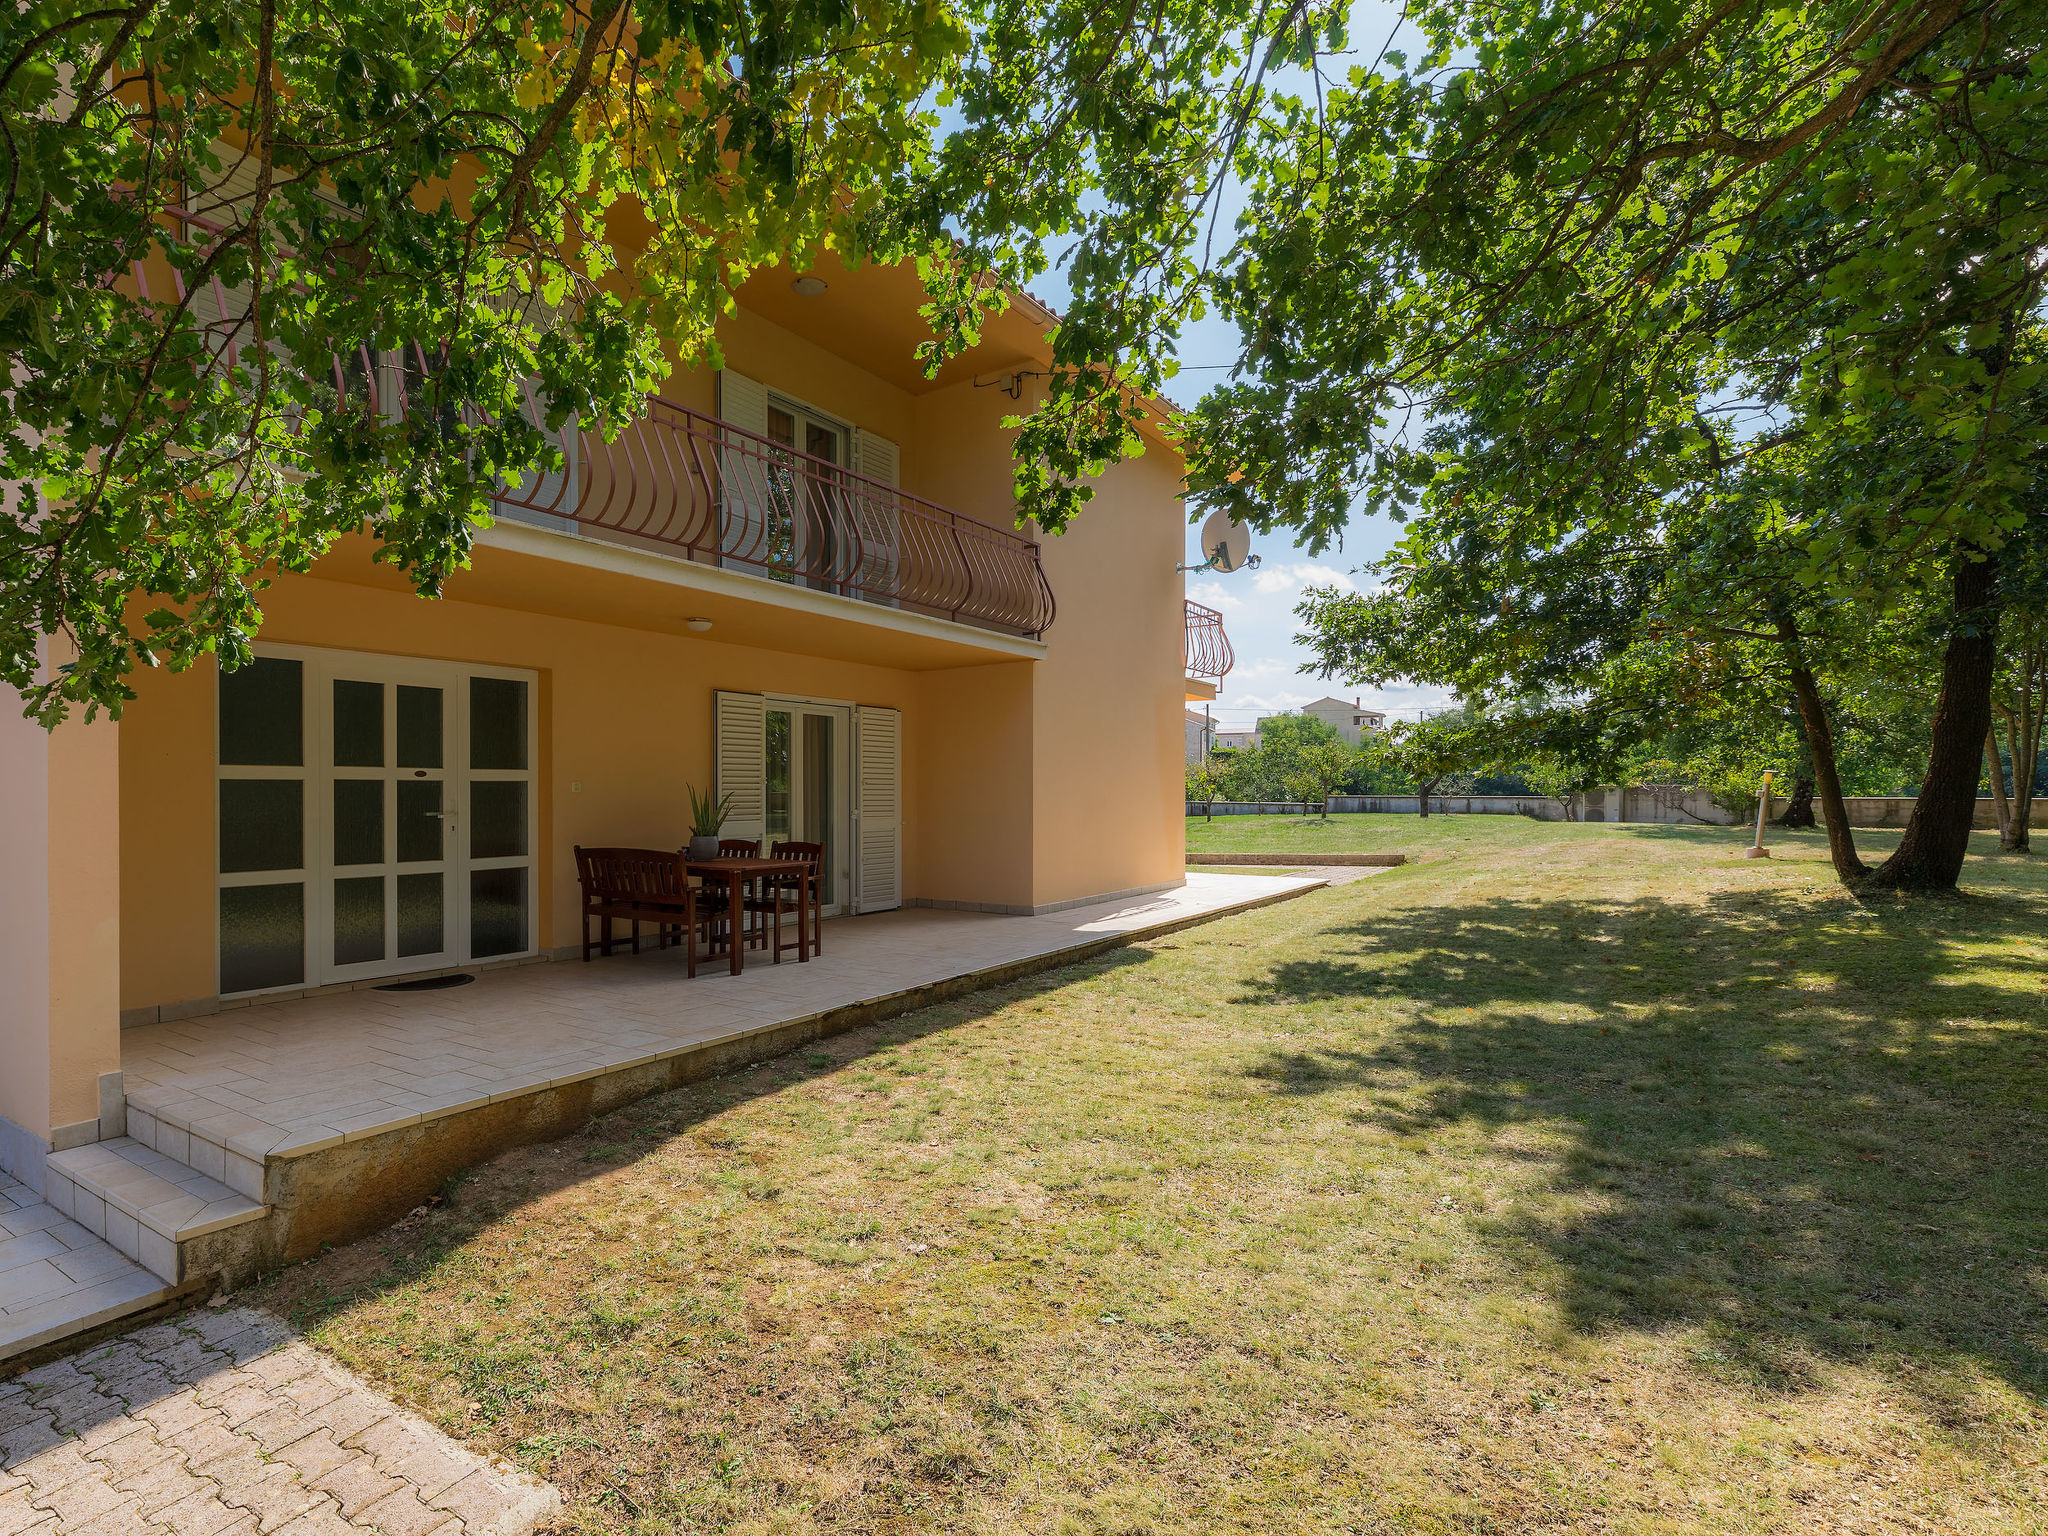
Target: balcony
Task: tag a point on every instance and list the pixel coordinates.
(1209, 657)
(686, 484)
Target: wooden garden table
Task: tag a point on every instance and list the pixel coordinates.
(736, 873)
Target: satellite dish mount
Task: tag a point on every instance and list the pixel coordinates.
(1227, 545)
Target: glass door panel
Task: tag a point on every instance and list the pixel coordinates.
(779, 776)
(376, 816)
(388, 820)
(806, 785)
(821, 824)
(261, 864)
(501, 814)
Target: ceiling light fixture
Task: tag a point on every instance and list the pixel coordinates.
(696, 626)
(809, 287)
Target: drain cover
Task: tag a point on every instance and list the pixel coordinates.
(428, 983)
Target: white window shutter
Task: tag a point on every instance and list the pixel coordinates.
(878, 808)
(746, 499)
(742, 766)
(879, 459)
(878, 518)
(743, 402)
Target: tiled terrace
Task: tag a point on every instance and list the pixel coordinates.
(333, 1114)
(294, 1077)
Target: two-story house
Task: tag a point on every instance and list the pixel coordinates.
(1353, 721)
(797, 582)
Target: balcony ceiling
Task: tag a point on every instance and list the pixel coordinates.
(532, 571)
(869, 317)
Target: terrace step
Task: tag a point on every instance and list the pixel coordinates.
(148, 1206)
(57, 1279)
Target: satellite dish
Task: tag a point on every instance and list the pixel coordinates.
(1226, 546)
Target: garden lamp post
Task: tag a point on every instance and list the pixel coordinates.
(1757, 850)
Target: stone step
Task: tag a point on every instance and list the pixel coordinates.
(57, 1279)
(148, 1206)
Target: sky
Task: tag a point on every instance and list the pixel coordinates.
(1258, 606)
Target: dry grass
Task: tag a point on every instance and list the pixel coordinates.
(1573, 1179)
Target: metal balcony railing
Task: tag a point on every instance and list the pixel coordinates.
(686, 483)
(717, 493)
(1208, 648)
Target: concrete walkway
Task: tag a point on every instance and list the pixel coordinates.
(224, 1423)
(57, 1279)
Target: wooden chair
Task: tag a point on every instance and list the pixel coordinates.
(779, 886)
(639, 885)
(734, 848)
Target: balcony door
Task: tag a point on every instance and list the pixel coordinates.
(805, 786)
(377, 816)
(813, 496)
(818, 771)
(796, 502)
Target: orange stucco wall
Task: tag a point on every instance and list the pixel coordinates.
(1108, 791)
(625, 725)
(85, 926)
(1105, 703)
(59, 1020)
(1025, 782)
(24, 924)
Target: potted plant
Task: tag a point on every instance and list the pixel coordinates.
(707, 817)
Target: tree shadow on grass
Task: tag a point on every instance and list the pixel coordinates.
(519, 1178)
(1813, 1139)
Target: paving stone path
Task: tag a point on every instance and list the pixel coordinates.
(225, 1423)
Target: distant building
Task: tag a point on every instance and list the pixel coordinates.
(1235, 741)
(1199, 745)
(1353, 721)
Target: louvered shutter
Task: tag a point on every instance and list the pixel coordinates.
(879, 519)
(878, 808)
(746, 500)
(742, 767)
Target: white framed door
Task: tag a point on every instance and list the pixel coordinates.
(807, 788)
(377, 815)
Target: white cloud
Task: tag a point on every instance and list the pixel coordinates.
(1216, 595)
(1274, 580)
(1265, 666)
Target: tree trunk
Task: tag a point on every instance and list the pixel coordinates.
(1996, 770)
(1937, 836)
(1820, 748)
(1425, 789)
(1799, 809)
(2029, 659)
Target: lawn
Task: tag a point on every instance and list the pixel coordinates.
(1572, 1178)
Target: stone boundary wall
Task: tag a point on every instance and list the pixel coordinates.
(1298, 860)
(1630, 803)
(1892, 811)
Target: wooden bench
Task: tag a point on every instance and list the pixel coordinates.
(640, 885)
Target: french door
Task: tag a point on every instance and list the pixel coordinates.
(805, 749)
(377, 815)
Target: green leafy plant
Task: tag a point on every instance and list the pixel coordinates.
(707, 816)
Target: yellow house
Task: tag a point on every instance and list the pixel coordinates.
(797, 580)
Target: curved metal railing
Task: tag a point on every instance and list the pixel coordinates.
(684, 481)
(1208, 648)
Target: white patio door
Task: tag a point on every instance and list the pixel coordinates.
(377, 815)
(806, 787)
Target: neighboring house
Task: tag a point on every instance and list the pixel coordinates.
(1198, 730)
(1236, 741)
(1353, 721)
(797, 580)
